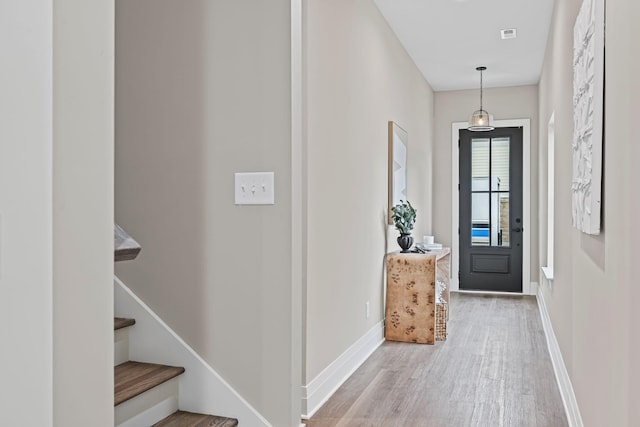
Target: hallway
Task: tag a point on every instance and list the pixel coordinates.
(493, 370)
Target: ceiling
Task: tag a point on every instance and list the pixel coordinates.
(448, 39)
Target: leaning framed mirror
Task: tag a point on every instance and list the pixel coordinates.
(398, 144)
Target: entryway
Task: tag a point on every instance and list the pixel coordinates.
(483, 235)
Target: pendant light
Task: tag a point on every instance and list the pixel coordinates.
(481, 121)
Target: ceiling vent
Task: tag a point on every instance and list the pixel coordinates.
(510, 33)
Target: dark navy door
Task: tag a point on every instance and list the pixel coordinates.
(491, 225)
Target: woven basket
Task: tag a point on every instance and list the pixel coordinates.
(441, 321)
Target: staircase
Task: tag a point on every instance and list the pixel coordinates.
(146, 394)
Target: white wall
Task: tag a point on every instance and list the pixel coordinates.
(56, 213)
(589, 303)
(520, 102)
(358, 77)
(83, 104)
(203, 90)
(25, 213)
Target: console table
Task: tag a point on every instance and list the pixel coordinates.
(412, 312)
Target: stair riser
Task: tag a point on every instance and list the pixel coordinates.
(149, 407)
(121, 346)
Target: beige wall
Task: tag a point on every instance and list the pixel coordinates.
(83, 102)
(358, 78)
(519, 102)
(203, 90)
(634, 206)
(592, 284)
(25, 213)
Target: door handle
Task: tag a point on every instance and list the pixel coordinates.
(516, 229)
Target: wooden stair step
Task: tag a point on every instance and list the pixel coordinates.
(189, 419)
(121, 322)
(134, 378)
(125, 247)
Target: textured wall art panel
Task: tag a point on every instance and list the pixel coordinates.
(588, 104)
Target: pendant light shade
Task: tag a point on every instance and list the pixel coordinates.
(481, 120)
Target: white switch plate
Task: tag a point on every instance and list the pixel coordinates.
(254, 188)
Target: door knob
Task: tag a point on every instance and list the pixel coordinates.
(516, 229)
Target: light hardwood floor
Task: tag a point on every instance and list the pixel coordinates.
(493, 370)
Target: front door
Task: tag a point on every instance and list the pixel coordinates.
(491, 210)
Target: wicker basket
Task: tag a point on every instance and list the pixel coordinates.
(441, 321)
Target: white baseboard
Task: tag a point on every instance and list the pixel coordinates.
(562, 376)
(202, 389)
(321, 388)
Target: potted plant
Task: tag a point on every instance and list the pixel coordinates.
(404, 217)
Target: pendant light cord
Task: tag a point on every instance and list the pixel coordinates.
(481, 90)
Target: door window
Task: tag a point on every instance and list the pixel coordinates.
(490, 195)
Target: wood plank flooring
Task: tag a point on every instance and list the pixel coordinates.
(493, 370)
(189, 419)
(134, 378)
(121, 322)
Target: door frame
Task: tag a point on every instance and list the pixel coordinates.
(528, 288)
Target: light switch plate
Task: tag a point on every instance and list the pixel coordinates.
(254, 188)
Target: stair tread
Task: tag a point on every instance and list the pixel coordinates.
(122, 322)
(134, 378)
(189, 419)
(125, 246)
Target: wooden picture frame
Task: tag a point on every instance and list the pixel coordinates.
(398, 147)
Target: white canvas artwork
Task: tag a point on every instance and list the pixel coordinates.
(588, 102)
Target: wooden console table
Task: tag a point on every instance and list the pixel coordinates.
(411, 296)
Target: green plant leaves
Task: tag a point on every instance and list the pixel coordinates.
(404, 217)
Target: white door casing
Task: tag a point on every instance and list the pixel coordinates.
(527, 288)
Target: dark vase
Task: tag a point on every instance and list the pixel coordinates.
(405, 241)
